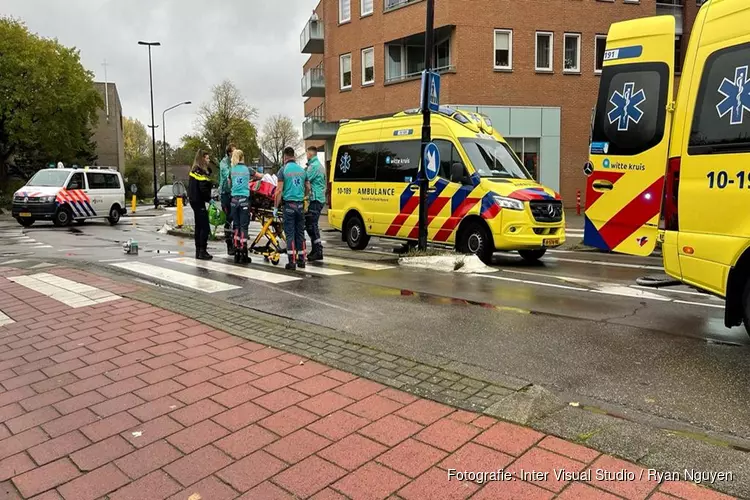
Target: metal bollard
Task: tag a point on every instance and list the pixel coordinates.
(179, 220)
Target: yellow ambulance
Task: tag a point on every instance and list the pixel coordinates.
(690, 154)
(483, 199)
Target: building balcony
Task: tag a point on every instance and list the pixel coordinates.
(311, 38)
(314, 83)
(315, 128)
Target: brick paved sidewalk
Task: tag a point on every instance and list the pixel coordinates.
(123, 400)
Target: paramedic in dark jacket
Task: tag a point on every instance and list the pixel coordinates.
(199, 191)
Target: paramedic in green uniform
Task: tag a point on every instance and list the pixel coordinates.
(290, 195)
(316, 180)
(225, 191)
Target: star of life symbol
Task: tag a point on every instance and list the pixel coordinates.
(736, 96)
(626, 107)
(346, 163)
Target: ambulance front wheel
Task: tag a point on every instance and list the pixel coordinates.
(532, 255)
(356, 235)
(63, 217)
(475, 239)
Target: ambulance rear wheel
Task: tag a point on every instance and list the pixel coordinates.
(475, 239)
(746, 306)
(63, 217)
(356, 236)
(532, 255)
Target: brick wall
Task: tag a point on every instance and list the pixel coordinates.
(472, 53)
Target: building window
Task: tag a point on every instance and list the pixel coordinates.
(345, 66)
(366, 7)
(600, 45)
(527, 150)
(572, 53)
(405, 61)
(678, 54)
(503, 49)
(544, 51)
(345, 11)
(394, 4)
(368, 66)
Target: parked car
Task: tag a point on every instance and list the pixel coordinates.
(64, 195)
(166, 196)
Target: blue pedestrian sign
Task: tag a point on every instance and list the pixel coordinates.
(431, 81)
(431, 161)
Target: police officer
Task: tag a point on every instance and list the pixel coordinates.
(225, 192)
(316, 187)
(199, 187)
(290, 194)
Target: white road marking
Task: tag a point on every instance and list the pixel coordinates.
(603, 289)
(15, 261)
(176, 277)
(684, 292)
(42, 265)
(70, 293)
(715, 306)
(604, 263)
(5, 320)
(107, 261)
(371, 266)
(243, 272)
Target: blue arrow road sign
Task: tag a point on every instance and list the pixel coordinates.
(432, 82)
(431, 161)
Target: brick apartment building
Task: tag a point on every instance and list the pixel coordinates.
(110, 144)
(532, 66)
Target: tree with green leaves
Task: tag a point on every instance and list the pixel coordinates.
(48, 102)
(136, 139)
(185, 154)
(226, 119)
(279, 132)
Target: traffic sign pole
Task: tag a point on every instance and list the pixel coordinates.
(426, 129)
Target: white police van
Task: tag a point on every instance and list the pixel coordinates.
(64, 195)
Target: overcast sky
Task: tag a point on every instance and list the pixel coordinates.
(255, 43)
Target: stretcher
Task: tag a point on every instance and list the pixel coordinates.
(268, 242)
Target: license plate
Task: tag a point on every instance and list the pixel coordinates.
(551, 242)
(25, 214)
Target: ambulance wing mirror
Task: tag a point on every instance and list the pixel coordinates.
(458, 174)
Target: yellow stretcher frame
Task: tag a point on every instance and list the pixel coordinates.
(272, 229)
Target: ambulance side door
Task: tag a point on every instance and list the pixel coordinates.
(714, 182)
(630, 139)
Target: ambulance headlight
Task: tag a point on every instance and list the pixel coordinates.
(508, 203)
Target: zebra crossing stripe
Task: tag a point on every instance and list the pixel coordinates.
(70, 293)
(175, 277)
(370, 266)
(242, 272)
(5, 320)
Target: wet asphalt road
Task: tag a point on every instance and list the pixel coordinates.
(573, 324)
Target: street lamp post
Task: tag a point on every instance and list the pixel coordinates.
(153, 125)
(164, 134)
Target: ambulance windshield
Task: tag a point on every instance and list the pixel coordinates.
(49, 178)
(491, 158)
